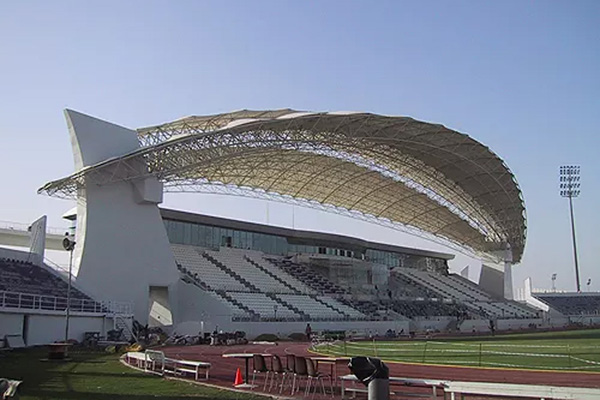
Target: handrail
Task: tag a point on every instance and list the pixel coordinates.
(30, 301)
(19, 226)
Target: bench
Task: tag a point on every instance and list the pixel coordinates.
(155, 361)
(397, 381)
(541, 392)
(192, 367)
(138, 357)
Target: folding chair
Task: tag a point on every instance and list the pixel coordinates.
(313, 374)
(260, 367)
(299, 372)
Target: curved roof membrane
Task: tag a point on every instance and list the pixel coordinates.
(423, 176)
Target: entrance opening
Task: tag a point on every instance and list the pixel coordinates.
(160, 310)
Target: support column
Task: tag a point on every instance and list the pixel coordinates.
(508, 281)
(497, 279)
(122, 246)
(37, 240)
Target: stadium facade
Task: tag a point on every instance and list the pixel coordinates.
(180, 268)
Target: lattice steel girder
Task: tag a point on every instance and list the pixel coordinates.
(422, 175)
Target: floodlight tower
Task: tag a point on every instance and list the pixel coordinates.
(570, 187)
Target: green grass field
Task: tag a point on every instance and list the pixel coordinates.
(570, 350)
(97, 376)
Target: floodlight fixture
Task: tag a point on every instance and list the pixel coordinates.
(570, 187)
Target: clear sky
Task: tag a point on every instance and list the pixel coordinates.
(520, 76)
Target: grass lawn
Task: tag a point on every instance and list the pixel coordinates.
(97, 376)
(567, 350)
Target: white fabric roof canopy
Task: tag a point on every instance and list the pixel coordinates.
(418, 174)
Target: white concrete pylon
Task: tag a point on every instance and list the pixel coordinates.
(37, 239)
(122, 247)
(508, 281)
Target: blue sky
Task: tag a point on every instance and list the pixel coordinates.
(519, 76)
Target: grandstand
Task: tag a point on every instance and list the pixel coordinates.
(25, 277)
(33, 299)
(181, 269)
(572, 304)
(287, 285)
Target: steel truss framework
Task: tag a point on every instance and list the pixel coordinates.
(403, 173)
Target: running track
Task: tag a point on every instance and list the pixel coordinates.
(222, 372)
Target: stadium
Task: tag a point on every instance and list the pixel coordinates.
(135, 263)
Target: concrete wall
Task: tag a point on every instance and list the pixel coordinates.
(48, 328)
(45, 329)
(433, 324)
(491, 280)
(483, 325)
(283, 329)
(10, 324)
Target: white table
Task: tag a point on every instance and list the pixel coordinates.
(332, 361)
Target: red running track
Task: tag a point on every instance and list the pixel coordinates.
(222, 372)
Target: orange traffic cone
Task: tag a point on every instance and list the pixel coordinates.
(238, 378)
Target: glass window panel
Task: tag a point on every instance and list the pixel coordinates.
(237, 239)
(201, 235)
(187, 233)
(178, 232)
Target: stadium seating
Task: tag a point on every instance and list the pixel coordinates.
(303, 273)
(236, 262)
(257, 259)
(204, 270)
(24, 277)
(456, 288)
(266, 307)
(352, 313)
(577, 304)
(402, 286)
(271, 288)
(315, 309)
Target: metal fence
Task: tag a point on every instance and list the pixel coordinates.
(50, 303)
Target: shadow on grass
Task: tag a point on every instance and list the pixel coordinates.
(44, 394)
(135, 375)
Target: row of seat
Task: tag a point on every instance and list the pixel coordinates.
(297, 284)
(296, 367)
(235, 261)
(455, 288)
(204, 270)
(573, 305)
(25, 277)
(257, 284)
(264, 306)
(311, 307)
(347, 310)
(314, 280)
